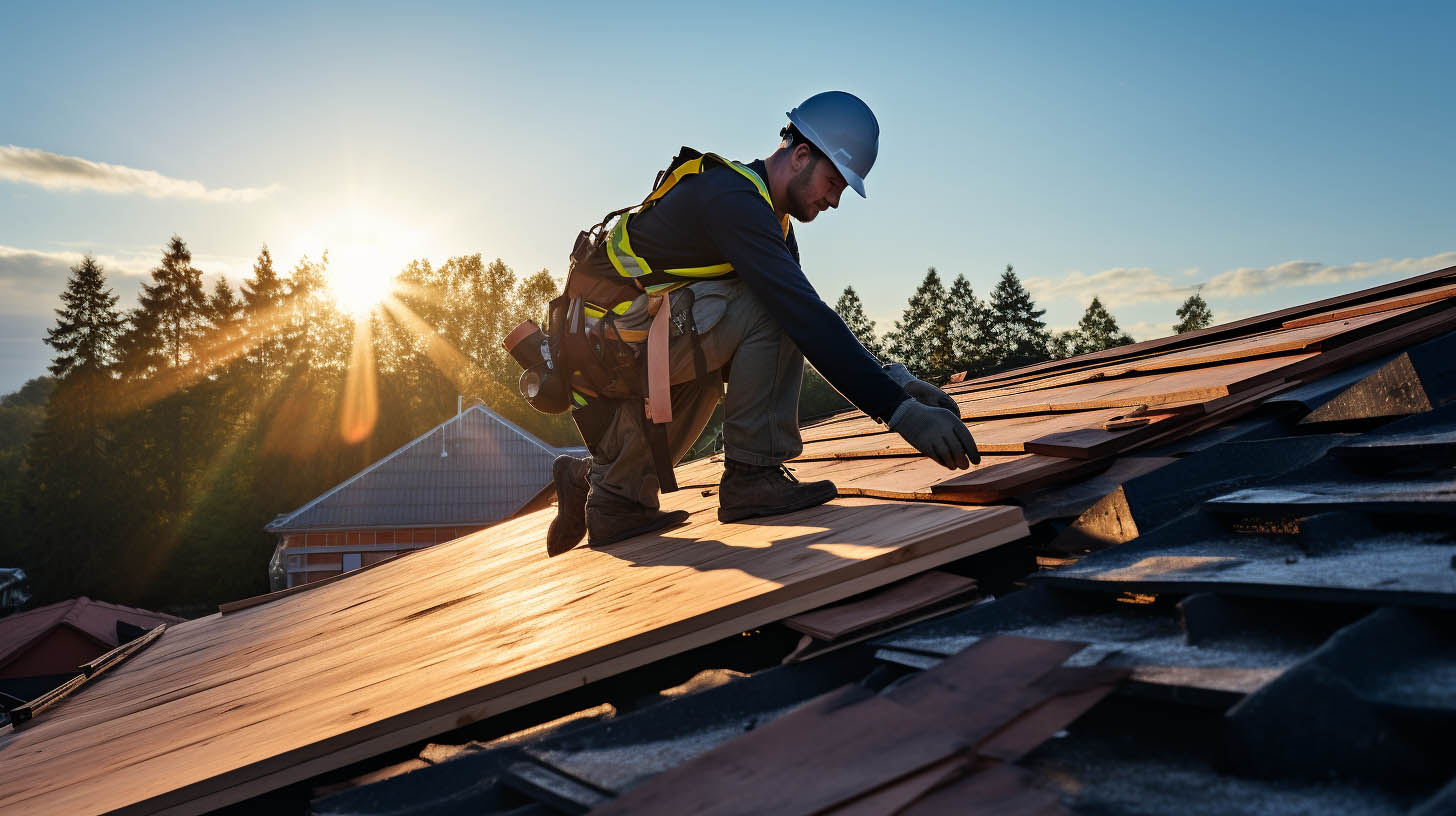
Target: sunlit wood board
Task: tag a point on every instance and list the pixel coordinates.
(223, 708)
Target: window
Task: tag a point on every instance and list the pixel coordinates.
(351, 561)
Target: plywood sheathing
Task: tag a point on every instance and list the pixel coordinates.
(226, 707)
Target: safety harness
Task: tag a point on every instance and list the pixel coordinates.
(607, 364)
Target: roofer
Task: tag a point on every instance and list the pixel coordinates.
(706, 288)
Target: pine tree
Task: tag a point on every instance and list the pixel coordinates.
(170, 318)
(921, 337)
(224, 308)
(87, 328)
(69, 484)
(851, 310)
(1019, 336)
(1193, 315)
(1097, 330)
(968, 321)
(265, 289)
(85, 339)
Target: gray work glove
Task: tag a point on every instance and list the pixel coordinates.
(937, 433)
(923, 392)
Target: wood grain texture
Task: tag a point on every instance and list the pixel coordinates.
(225, 707)
(1007, 481)
(852, 741)
(1002, 435)
(1382, 305)
(1225, 330)
(891, 602)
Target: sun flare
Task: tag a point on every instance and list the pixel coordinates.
(359, 280)
(368, 246)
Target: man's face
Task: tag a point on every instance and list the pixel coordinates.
(814, 189)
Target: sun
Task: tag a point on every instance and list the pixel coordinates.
(360, 278)
(368, 245)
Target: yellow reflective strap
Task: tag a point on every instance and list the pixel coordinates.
(621, 308)
(592, 311)
(714, 271)
(619, 251)
(687, 168)
(577, 398)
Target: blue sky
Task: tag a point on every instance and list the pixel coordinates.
(1271, 153)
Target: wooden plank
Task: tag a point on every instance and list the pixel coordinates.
(1250, 324)
(995, 790)
(1089, 443)
(896, 796)
(456, 633)
(907, 596)
(851, 742)
(1008, 480)
(1001, 435)
(1153, 390)
(1382, 305)
(268, 597)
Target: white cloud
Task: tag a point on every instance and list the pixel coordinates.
(1119, 286)
(29, 165)
(31, 280)
(1251, 281)
(1123, 286)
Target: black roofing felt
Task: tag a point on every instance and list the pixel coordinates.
(1208, 650)
(585, 763)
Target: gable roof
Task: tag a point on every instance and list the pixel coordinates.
(492, 468)
(95, 619)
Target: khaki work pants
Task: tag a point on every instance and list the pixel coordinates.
(761, 413)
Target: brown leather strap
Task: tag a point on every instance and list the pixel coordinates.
(659, 373)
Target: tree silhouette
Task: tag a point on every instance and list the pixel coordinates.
(1019, 335)
(851, 310)
(1193, 315)
(968, 321)
(921, 337)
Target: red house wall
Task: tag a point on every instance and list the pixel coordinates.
(60, 650)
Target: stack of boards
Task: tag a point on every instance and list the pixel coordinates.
(1065, 420)
(280, 689)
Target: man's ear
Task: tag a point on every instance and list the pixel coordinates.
(800, 157)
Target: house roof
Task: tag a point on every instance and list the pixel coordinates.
(96, 619)
(491, 470)
(1176, 481)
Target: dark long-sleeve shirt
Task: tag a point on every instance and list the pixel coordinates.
(720, 216)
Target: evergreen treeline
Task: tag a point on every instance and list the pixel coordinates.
(177, 430)
(947, 330)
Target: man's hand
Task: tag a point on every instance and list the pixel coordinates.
(923, 392)
(937, 433)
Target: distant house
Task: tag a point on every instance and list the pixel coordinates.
(462, 475)
(41, 648)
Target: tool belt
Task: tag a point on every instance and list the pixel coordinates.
(587, 362)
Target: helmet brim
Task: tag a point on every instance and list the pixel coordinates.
(850, 177)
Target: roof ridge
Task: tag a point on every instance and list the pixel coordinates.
(283, 519)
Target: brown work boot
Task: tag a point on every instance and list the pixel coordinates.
(747, 491)
(610, 519)
(569, 474)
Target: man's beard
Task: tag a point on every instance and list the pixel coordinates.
(800, 207)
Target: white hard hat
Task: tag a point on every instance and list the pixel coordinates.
(844, 127)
